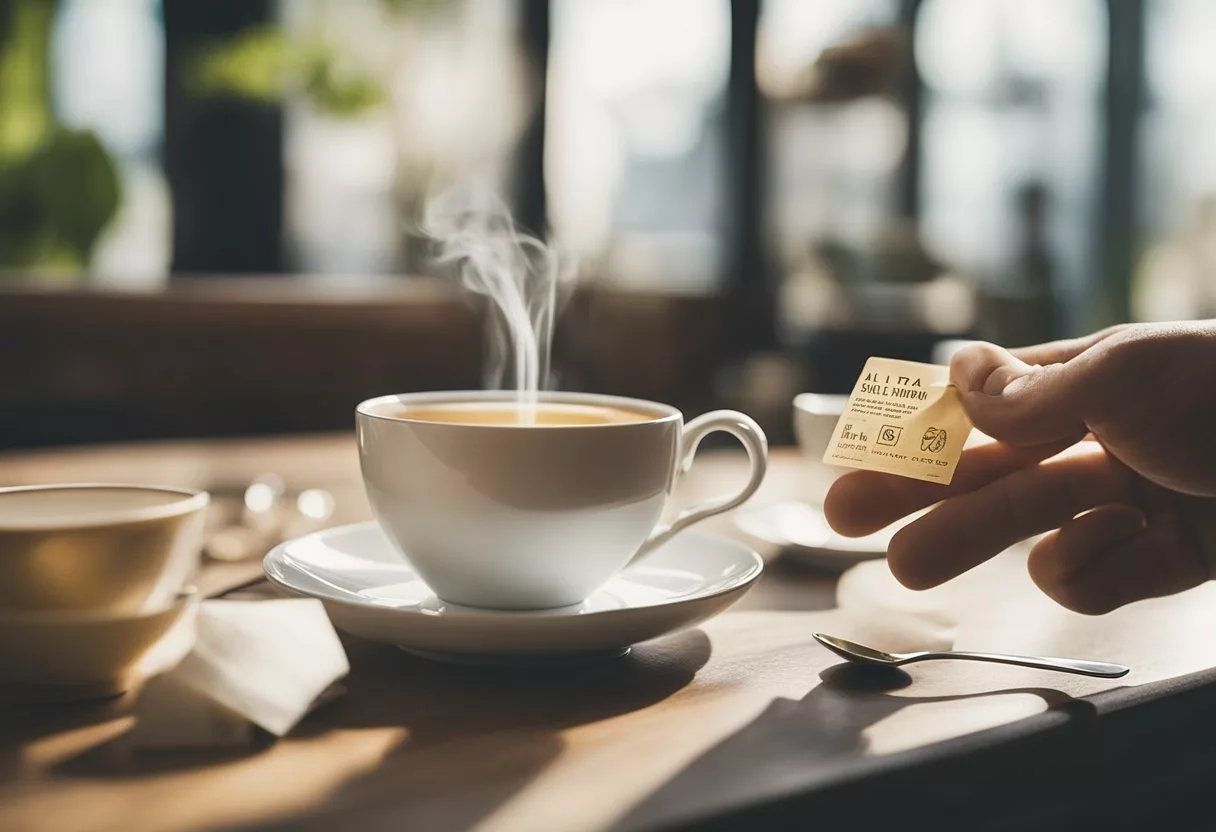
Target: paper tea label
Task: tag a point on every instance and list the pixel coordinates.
(902, 418)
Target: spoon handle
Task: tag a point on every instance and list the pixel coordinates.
(1103, 670)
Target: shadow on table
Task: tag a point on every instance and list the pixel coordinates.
(788, 584)
(112, 756)
(497, 728)
(22, 723)
(494, 727)
(91, 740)
(795, 747)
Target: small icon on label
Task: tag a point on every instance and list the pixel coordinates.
(933, 441)
(889, 435)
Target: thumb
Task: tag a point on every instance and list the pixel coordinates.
(1025, 404)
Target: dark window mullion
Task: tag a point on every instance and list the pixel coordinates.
(912, 93)
(223, 157)
(747, 283)
(1110, 292)
(528, 187)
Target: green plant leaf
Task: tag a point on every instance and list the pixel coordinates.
(417, 7)
(56, 201)
(79, 184)
(256, 64)
(339, 93)
(25, 116)
(263, 64)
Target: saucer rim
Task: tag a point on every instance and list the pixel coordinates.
(481, 614)
(800, 551)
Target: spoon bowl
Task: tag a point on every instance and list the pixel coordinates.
(854, 652)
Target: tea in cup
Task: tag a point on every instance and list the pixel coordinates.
(501, 505)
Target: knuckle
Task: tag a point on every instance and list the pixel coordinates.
(1148, 348)
(1010, 502)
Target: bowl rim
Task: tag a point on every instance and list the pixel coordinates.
(806, 403)
(191, 500)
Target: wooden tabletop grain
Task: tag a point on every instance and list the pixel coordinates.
(740, 723)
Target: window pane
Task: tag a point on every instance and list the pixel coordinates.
(831, 162)
(1176, 275)
(456, 103)
(1011, 139)
(634, 137)
(107, 76)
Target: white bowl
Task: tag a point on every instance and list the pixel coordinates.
(74, 655)
(815, 417)
(96, 547)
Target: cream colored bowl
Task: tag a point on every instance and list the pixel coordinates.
(56, 656)
(97, 547)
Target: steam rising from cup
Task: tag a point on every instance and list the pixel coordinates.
(523, 278)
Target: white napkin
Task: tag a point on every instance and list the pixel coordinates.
(264, 663)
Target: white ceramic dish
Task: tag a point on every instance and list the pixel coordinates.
(369, 591)
(804, 535)
(97, 547)
(73, 655)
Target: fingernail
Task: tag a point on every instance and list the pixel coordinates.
(1006, 379)
(987, 369)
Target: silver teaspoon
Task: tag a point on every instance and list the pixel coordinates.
(867, 655)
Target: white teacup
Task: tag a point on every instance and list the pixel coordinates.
(530, 516)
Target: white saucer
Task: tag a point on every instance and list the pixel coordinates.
(371, 592)
(805, 536)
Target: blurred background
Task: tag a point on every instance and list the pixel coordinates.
(208, 207)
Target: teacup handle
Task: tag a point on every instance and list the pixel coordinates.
(738, 425)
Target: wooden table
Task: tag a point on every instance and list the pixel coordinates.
(741, 722)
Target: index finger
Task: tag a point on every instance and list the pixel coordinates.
(862, 502)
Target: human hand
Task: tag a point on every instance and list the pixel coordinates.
(1107, 443)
